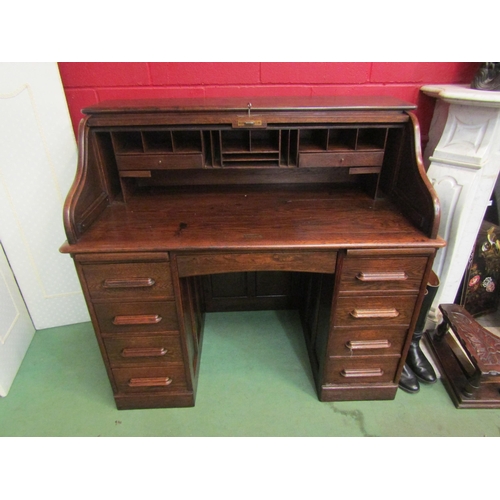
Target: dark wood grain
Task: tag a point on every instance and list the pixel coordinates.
(147, 379)
(250, 219)
(127, 351)
(381, 369)
(370, 274)
(369, 311)
(356, 342)
(136, 317)
(128, 280)
(319, 203)
(212, 263)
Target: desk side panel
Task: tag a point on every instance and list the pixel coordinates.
(95, 183)
(405, 181)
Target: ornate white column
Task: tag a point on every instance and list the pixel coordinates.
(463, 154)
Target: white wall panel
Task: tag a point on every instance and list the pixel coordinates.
(38, 158)
(16, 328)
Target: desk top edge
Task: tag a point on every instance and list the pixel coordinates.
(241, 104)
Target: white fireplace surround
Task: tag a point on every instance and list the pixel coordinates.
(463, 160)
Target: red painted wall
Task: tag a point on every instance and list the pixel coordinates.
(90, 83)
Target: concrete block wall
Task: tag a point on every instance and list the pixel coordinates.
(87, 83)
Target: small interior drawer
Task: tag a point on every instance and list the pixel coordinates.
(366, 311)
(382, 274)
(342, 159)
(159, 161)
(136, 317)
(151, 379)
(369, 369)
(129, 280)
(364, 342)
(143, 351)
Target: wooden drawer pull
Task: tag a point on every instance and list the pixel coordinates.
(139, 319)
(374, 313)
(139, 352)
(150, 382)
(362, 372)
(129, 283)
(353, 345)
(385, 276)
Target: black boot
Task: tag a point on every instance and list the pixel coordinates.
(418, 363)
(408, 381)
(416, 359)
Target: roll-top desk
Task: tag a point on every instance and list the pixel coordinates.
(325, 199)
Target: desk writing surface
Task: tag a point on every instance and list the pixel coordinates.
(248, 218)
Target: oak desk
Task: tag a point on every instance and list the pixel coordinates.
(318, 204)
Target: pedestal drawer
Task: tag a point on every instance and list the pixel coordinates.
(362, 370)
(368, 311)
(355, 342)
(143, 351)
(136, 317)
(151, 379)
(382, 274)
(129, 280)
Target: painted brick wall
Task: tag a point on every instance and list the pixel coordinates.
(90, 83)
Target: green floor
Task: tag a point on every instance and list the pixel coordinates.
(255, 380)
